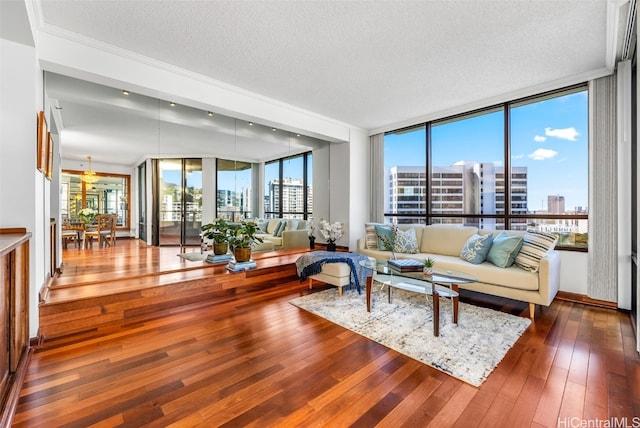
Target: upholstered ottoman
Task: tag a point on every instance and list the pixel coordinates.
(338, 274)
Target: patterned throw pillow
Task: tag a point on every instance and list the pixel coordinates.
(370, 238)
(535, 245)
(385, 232)
(476, 248)
(280, 229)
(406, 241)
(504, 249)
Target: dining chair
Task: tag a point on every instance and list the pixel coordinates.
(105, 227)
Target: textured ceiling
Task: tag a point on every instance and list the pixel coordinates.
(366, 63)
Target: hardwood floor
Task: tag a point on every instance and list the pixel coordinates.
(246, 357)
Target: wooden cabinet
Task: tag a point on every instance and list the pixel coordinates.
(14, 313)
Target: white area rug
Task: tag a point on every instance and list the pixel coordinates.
(469, 351)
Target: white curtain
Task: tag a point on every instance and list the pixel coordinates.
(603, 199)
(376, 210)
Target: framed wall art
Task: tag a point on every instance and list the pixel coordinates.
(42, 152)
(49, 169)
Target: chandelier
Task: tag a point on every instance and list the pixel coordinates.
(89, 176)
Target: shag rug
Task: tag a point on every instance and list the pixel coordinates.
(469, 351)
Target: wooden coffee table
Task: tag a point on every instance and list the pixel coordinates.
(438, 284)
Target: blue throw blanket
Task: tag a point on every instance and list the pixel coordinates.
(311, 264)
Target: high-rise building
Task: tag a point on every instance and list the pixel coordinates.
(292, 196)
(555, 204)
(466, 187)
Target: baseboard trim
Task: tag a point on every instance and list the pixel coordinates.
(586, 300)
(14, 386)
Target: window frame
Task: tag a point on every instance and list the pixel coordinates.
(508, 218)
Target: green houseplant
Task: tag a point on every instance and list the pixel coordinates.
(428, 265)
(241, 236)
(218, 230)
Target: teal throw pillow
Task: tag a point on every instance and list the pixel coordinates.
(279, 229)
(406, 241)
(504, 250)
(476, 248)
(385, 237)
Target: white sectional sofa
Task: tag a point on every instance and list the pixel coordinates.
(294, 235)
(444, 244)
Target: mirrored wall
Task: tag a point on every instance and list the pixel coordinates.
(108, 195)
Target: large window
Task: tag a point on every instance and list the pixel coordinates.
(518, 165)
(288, 188)
(233, 201)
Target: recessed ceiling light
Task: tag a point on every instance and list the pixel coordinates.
(273, 129)
(172, 104)
(210, 113)
(125, 92)
(250, 123)
(297, 135)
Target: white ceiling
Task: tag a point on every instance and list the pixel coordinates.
(370, 64)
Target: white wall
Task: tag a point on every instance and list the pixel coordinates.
(24, 191)
(359, 186)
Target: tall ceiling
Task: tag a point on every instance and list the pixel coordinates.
(369, 64)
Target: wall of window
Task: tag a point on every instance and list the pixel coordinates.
(288, 187)
(519, 165)
(234, 190)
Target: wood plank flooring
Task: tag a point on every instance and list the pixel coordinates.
(246, 357)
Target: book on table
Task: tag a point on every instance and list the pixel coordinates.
(406, 265)
(235, 266)
(219, 258)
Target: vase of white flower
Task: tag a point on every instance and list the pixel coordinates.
(331, 232)
(87, 215)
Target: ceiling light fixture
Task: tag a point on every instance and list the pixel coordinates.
(89, 176)
(250, 123)
(210, 113)
(125, 92)
(273, 129)
(172, 104)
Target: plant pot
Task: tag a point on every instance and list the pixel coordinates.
(427, 270)
(331, 246)
(220, 248)
(242, 254)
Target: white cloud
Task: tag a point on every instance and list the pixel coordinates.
(540, 138)
(542, 154)
(563, 134)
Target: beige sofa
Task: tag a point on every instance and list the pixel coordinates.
(294, 235)
(444, 244)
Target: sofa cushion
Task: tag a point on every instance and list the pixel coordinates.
(280, 228)
(384, 237)
(405, 241)
(504, 249)
(446, 240)
(273, 223)
(535, 245)
(476, 248)
(370, 238)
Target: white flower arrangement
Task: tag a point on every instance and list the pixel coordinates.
(87, 214)
(331, 231)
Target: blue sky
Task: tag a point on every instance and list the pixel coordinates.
(549, 137)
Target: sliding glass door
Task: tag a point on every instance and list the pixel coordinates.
(179, 201)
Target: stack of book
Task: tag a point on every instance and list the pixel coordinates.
(219, 258)
(406, 265)
(235, 266)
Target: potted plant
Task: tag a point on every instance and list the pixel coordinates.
(218, 230)
(428, 266)
(241, 236)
